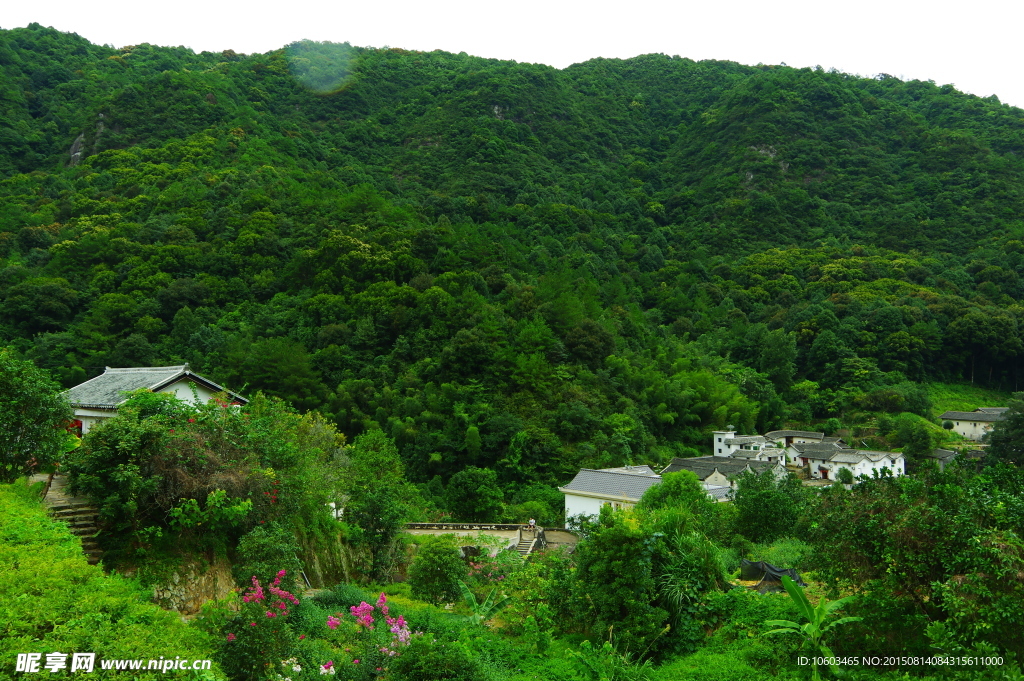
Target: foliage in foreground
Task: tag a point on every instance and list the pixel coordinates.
(939, 547)
(817, 625)
(34, 418)
(56, 601)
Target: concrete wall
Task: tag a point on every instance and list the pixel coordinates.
(972, 430)
(580, 505)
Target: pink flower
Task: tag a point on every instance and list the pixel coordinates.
(355, 661)
(231, 637)
(302, 636)
(270, 614)
(332, 622)
(252, 624)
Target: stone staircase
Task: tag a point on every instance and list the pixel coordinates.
(79, 514)
(525, 545)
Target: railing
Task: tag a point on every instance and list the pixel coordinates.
(483, 527)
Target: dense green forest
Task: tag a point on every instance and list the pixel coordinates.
(455, 281)
(505, 265)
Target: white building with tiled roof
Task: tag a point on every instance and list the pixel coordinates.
(974, 424)
(751, 447)
(98, 398)
(616, 487)
(824, 460)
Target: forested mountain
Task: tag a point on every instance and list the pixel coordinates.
(507, 265)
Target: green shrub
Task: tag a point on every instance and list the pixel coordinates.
(308, 618)
(263, 551)
(342, 597)
(787, 552)
(260, 636)
(708, 665)
(55, 600)
(436, 570)
(429, 660)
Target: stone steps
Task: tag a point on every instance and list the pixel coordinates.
(77, 513)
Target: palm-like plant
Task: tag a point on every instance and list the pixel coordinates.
(814, 630)
(486, 610)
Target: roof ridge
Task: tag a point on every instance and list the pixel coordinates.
(632, 475)
(129, 370)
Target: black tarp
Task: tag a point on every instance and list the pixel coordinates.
(769, 576)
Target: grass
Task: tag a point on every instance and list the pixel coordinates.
(963, 397)
(55, 601)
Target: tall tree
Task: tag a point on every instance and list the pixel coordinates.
(33, 418)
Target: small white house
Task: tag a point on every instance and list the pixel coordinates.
(825, 460)
(98, 398)
(616, 487)
(973, 425)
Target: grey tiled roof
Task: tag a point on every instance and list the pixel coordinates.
(106, 391)
(986, 416)
(612, 483)
(993, 410)
(718, 492)
(745, 440)
(776, 434)
(631, 470)
(847, 456)
(878, 456)
(703, 466)
(817, 448)
(943, 454)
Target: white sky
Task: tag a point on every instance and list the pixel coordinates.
(969, 44)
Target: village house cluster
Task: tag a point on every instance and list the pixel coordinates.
(821, 457)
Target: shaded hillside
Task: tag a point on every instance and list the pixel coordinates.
(505, 264)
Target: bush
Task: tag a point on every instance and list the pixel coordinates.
(342, 597)
(436, 570)
(260, 636)
(55, 600)
(430, 660)
(263, 552)
(767, 508)
(787, 552)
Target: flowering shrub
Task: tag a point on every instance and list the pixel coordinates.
(259, 636)
(370, 645)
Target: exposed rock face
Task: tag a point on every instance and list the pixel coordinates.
(76, 147)
(193, 584)
(76, 150)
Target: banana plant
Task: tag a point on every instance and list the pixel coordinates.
(815, 628)
(486, 610)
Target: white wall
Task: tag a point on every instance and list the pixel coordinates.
(579, 505)
(575, 505)
(183, 391)
(972, 430)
